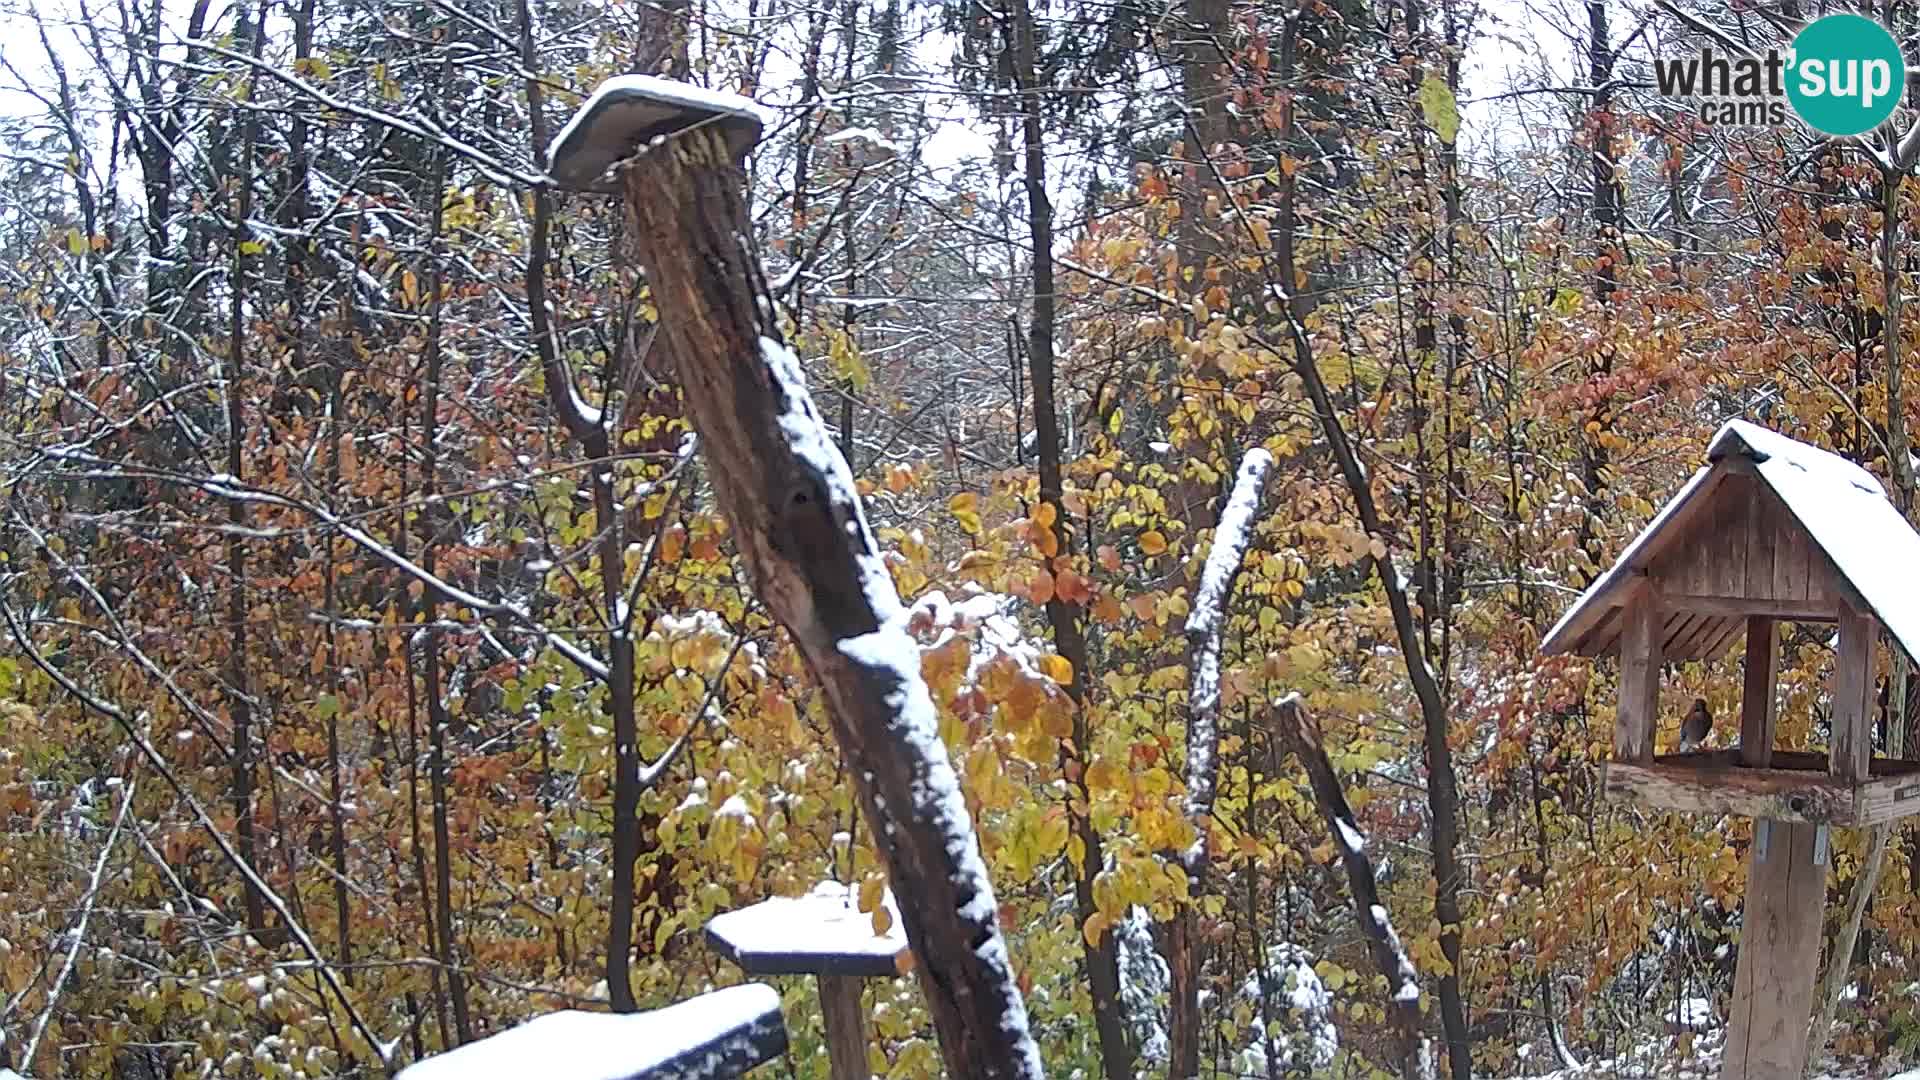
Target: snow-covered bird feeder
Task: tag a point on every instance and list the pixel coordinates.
(710, 1037)
(1771, 530)
(824, 934)
(628, 112)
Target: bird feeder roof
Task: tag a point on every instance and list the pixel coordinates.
(1857, 548)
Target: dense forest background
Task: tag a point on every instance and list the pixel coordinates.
(349, 520)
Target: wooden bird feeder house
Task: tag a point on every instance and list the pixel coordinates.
(1771, 530)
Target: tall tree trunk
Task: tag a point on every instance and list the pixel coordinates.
(433, 685)
(1100, 955)
(598, 435)
(238, 693)
(1443, 790)
(1609, 248)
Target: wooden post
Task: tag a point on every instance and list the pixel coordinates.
(823, 934)
(1779, 957)
(1786, 889)
(1850, 747)
(1640, 660)
(846, 1026)
(1756, 692)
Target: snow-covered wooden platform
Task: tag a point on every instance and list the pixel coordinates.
(710, 1037)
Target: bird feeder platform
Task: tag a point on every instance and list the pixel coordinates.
(1772, 530)
(715, 1036)
(823, 934)
(1794, 787)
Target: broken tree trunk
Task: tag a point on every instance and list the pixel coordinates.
(1185, 954)
(1299, 733)
(790, 501)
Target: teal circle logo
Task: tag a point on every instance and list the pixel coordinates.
(1846, 75)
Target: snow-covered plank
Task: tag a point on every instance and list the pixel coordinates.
(721, 1034)
(823, 932)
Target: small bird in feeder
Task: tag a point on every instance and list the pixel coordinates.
(1694, 729)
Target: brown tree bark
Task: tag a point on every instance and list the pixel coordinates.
(437, 719)
(794, 512)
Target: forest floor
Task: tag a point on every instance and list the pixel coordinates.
(1667, 1060)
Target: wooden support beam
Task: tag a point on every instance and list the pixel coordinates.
(1722, 788)
(846, 1026)
(1743, 606)
(1850, 747)
(1757, 692)
(1640, 660)
(1779, 957)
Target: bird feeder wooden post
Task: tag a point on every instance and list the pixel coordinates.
(1771, 530)
(822, 934)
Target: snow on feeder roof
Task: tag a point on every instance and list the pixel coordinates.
(1808, 532)
(629, 111)
(823, 932)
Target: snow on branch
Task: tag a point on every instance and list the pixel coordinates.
(1205, 621)
(1184, 950)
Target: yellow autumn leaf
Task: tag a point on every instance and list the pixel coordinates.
(1096, 928)
(1153, 542)
(1103, 775)
(1058, 668)
(1045, 514)
(965, 508)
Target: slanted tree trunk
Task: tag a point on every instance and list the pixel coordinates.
(794, 512)
(1300, 734)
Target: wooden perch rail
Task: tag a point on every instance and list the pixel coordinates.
(794, 512)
